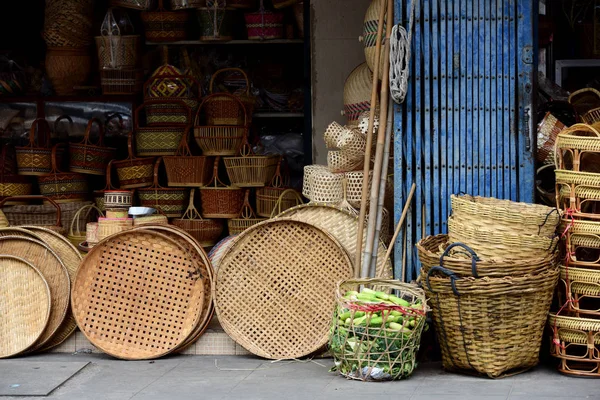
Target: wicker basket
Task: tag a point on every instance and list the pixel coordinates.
(36, 158)
(264, 25)
(158, 140)
(222, 109)
(172, 202)
(134, 172)
(251, 170)
(276, 198)
(118, 51)
(67, 68)
(156, 219)
(12, 185)
(505, 216)
(63, 187)
(222, 140)
(78, 233)
(115, 199)
(547, 132)
(219, 200)
(111, 226)
(576, 343)
(573, 143)
(117, 213)
(121, 81)
(216, 23)
(161, 25)
(185, 170)
(584, 100)
(206, 231)
(492, 326)
(171, 90)
(134, 4)
(90, 158)
(382, 346)
(35, 215)
(581, 288)
(357, 92)
(246, 218)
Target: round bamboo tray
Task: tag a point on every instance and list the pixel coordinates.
(287, 326)
(158, 305)
(25, 301)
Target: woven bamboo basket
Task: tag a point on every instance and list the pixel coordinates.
(68, 22)
(33, 214)
(161, 25)
(332, 135)
(109, 226)
(581, 289)
(67, 68)
(576, 343)
(118, 52)
(439, 251)
(14, 185)
(206, 231)
(246, 218)
(36, 157)
(121, 81)
(115, 199)
(251, 170)
(153, 220)
(220, 140)
(222, 109)
(357, 92)
(78, 233)
(160, 139)
(264, 24)
(492, 326)
(584, 100)
(170, 201)
(142, 5)
(592, 116)
(504, 216)
(218, 200)
(277, 197)
(489, 243)
(91, 158)
(122, 213)
(339, 161)
(91, 234)
(185, 170)
(217, 22)
(63, 187)
(548, 130)
(573, 144)
(134, 172)
(322, 186)
(164, 94)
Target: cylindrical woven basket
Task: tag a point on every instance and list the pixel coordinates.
(439, 251)
(91, 234)
(490, 243)
(33, 214)
(185, 170)
(91, 158)
(206, 231)
(277, 197)
(385, 353)
(357, 92)
(504, 215)
(161, 25)
(158, 140)
(322, 186)
(492, 326)
(36, 157)
(63, 187)
(171, 202)
(222, 109)
(111, 226)
(78, 233)
(68, 67)
(251, 170)
(246, 218)
(264, 25)
(118, 52)
(219, 200)
(156, 219)
(115, 199)
(134, 172)
(217, 23)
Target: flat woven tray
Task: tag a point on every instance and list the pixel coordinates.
(25, 299)
(275, 288)
(54, 272)
(342, 225)
(138, 295)
(71, 259)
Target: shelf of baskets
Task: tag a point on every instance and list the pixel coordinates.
(229, 42)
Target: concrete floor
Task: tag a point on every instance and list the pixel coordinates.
(204, 377)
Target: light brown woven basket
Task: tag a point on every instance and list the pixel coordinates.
(78, 233)
(206, 231)
(33, 214)
(218, 200)
(277, 197)
(222, 109)
(573, 143)
(171, 201)
(251, 170)
(369, 36)
(134, 172)
(36, 157)
(246, 219)
(357, 92)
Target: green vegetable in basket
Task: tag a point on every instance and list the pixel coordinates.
(382, 296)
(376, 321)
(398, 301)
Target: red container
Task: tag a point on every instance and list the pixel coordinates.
(264, 25)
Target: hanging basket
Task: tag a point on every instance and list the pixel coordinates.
(246, 218)
(63, 187)
(219, 200)
(161, 25)
(134, 172)
(185, 170)
(88, 157)
(36, 215)
(172, 202)
(222, 109)
(36, 158)
(160, 139)
(251, 170)
(206, 231)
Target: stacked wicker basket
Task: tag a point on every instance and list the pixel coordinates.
(576, 325)
(490, 283)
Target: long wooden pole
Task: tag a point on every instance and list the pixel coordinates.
(367, 166)
(368, 270)
(399, 226)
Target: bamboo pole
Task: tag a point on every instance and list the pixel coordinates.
(368, 270)
(366, 168)
(399, 227)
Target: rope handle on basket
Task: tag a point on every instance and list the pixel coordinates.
(53, 158)
(181, 103)
(212, 79)
(247, 212)
(64, 117)
(215, 177)
(474, 257)
(210, 96)
(183, 150)
(36, 197)
(554, 210)
(109, 185)
(42, 127)
(183, 78)
(191, 212)
(88, 207)
(130, 144)
(453, 278)
(88, 130)
(298, 198)
(156, 185)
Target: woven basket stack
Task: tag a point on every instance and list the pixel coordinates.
(490, 282)
(575, 326)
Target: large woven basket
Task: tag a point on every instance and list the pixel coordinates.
(246, 218)
(206, 231)
(91, 158)
(161, 25)
(492, 326)
(219, 200)
(185, 170)
(159, 139)
(251, 170)
(170, 201)
(134, 172)
(164, 95)
(33, 214)
(36, 157)
(222, 109)
(357, 92)
(504, 216)
(63, 187)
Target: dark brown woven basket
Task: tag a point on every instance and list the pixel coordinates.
(219, 200)
(185, 170)
(161, 25)
(206, 231)
(91, 158)
(134, 172)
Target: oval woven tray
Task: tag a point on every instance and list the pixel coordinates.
(25, 299)
(138, 295)
(275, 288)
(343, 225)
(53, 271)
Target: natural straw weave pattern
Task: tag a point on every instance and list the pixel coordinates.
(332, 135)
(205, 231)
(251, 171)
(25, 301)
(289, 319)
(582, 288)
(53, 271)
(150, 303)
(576, 343)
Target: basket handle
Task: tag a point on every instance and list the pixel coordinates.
(109, 185)
(192, 212)
(88, 207)
(215, 178)
(160, 8)
(156, 169)
(183, 150)
(183, 78)
(43, 128)
(53, 158)
(277, 207)
(453, 278)
(212, 79)
(474, 258)
(247, 212)
(130, 143)
(210, 96)
(88, 131)
(62, 117)
(184, 107)
(35, 197)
